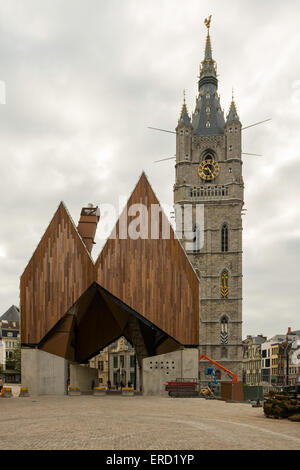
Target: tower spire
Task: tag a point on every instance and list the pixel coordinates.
(208, 68)
(208, 51)
(232, 114)
(208, 118)
(184, 115)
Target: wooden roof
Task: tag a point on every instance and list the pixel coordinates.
(152, 276)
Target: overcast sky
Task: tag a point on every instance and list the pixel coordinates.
(83, 80)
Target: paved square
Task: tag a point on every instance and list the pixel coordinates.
(120, 423)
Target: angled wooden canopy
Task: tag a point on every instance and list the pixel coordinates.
(151, 276)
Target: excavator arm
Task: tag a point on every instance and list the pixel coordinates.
(234, 376)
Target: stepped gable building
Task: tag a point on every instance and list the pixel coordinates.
(209, 174)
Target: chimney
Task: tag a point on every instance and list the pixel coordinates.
(87, 225)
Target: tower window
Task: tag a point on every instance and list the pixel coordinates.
(224, 238)
(230, 148)
(196, 238)
(186, 156)
(224, 284)
(224, 333)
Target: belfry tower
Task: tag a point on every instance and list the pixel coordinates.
(209, 174)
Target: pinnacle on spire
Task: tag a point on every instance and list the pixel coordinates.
(184, 119)
(232, 114)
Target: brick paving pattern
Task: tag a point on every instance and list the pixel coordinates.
(134, 423)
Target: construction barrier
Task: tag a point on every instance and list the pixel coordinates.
(232, 391)
(24, 392)
(128, 391)
(74, 391)
(253, 393)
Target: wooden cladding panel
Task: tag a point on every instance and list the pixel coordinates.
(59, 271)
(152, 276)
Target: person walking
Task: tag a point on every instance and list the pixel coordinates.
(2, 394)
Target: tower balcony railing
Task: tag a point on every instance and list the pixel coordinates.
(212, 191)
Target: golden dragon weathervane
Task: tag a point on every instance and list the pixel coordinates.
(207, 22)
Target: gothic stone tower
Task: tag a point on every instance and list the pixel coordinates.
(209, 173)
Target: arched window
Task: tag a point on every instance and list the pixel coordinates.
(224, 332)
(196, 238)
(224, 238)
(224, 284)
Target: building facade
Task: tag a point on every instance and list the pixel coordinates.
(122, 364)
(252, 359)
(100, 362)
(9, 344)
(208, 174)
(266, 353)
(116, 363)
(279, 358)
(294, 362)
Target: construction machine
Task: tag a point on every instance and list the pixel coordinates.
(231, 374)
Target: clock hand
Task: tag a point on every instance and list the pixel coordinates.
(207, 168)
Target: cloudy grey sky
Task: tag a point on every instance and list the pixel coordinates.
(84, 79)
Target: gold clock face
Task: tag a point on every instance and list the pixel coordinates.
(208, 169)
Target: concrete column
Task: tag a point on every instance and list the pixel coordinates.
(83, 376)
(43, 373)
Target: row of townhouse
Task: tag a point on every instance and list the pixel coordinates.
(274, 361)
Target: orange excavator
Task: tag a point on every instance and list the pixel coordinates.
(234, 376)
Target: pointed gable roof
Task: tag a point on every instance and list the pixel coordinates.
(151, 275)
(12, 314)
(59, 271)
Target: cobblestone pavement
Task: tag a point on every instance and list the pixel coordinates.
(155, 423)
